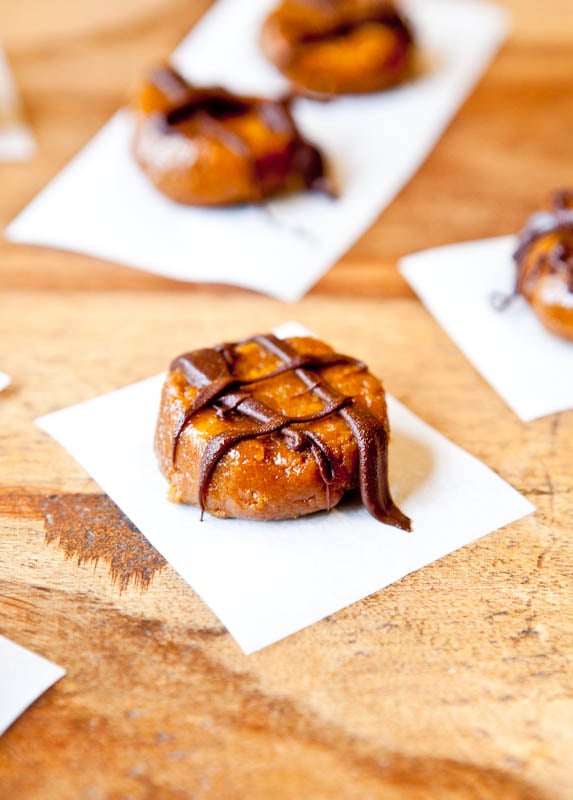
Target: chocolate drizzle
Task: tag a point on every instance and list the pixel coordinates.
(211, 372)
(559, 259)
(387, 17)
(212, 107)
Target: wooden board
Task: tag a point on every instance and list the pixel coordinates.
(455, 683)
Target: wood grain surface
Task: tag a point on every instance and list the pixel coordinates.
(455, 683)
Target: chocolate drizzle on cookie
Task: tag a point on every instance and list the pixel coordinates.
(211, 108)
(387, 17)
(211, 371)
(559, 258)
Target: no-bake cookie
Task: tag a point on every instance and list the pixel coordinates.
(333, 47)
(273, 429)
(209, 147)
(544, 263)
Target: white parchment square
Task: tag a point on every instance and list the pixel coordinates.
(5, 380)
(16, 141)
(266, 580)
(102, 204)
(530, 368)
(24, 676)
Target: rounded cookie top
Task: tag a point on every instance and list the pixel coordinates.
(274, 429)
(338, 46)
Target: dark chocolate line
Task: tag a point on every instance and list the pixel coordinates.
(215, 103)
(385, 17)
(187, 100)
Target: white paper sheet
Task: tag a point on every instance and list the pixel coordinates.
(102, 204)
(24, 676)
(16, 142)
(5, 380)
(530, 368)
(266, 580)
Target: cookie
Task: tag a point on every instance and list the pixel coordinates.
(332, 47)
(272, 429)
(209, 147)
(544, 265)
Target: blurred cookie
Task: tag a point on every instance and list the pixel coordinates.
(332, 47)
(544, 262)
(208, 147)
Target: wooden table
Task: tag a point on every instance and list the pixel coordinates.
(457, 681)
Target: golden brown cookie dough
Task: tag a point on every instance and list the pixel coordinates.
(272, 429)
(544, 261)
(333, 47)
(208, 147)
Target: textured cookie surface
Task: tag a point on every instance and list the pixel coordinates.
(272, 429)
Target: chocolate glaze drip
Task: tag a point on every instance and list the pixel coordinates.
(211, 107)
(215, 104)
(211, 372)
(387, 17)
(560, 258)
